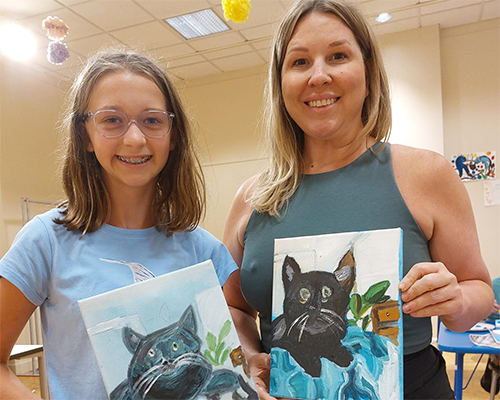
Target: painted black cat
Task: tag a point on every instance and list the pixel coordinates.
(314, 314)
(168, 364)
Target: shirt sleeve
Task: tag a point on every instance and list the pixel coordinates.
(28, 262)
(221, 258)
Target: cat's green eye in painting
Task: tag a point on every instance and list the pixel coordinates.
(175, 346)
(151, 353)
(326, 292)
(305, 294)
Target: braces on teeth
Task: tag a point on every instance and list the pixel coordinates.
(134, 160)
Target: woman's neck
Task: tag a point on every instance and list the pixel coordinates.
(328, 156)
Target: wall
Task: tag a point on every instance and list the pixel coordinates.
(28, 162)
(3, 236)
(470, 60)
(226, 109)
(413, 64)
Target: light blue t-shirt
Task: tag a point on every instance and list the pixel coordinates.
(55, 268)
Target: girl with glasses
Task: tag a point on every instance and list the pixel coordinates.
(135, 195)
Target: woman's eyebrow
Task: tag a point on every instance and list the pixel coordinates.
(335, 43)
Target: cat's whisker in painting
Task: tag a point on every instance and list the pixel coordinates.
(297, 321)
(327, 311)
(185, 359)
(332, 321)
(145, 378)
(151, 384)
(303, 327)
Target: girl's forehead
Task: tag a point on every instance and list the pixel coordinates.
(126, 87)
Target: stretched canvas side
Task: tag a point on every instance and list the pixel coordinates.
(168, 337)
(337, 320)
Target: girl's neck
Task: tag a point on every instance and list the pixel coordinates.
(131, 209)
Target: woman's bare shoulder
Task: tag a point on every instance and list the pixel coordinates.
(246, 189)
(420, 164)
(237, 219)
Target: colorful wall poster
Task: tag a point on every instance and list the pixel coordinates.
(475, 166)
(168, 337)
(337, 320)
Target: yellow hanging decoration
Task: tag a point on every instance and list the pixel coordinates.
(236, 10)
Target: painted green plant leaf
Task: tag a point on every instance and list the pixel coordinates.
(355, 304)
(218, 351)
(226, 328)
(209, 357)
(225, 355)
(360, 305)
(376, 291)
(211, 341)
(366, 322)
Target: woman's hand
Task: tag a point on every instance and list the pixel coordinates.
(430, 289)
(260, 368)
(495, 308)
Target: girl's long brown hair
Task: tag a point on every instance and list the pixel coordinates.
(180, 192)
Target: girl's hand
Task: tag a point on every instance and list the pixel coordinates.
(430, 289)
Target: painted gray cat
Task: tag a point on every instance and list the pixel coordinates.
(168, 364)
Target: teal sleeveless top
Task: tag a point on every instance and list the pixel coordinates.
(360, 196)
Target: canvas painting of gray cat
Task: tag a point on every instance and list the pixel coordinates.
(337, 326)
(170, 337)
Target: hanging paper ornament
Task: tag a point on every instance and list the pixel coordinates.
(236, 10)
(55, 27)
(57, 52)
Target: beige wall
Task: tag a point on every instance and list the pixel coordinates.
(445, 85)
(3, 236)
(470, 58)
(413, 64)
(28, 141)
(227, 109)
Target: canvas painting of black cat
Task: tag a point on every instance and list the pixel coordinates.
(170, 337)
(336, 317)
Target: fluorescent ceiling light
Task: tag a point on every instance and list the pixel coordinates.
(17, 42)
(384, 17)
(201, 23)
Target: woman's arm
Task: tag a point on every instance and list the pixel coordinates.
(457, 285)
(15, 310)
(243, 315)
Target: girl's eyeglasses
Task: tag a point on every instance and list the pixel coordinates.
(112, 123)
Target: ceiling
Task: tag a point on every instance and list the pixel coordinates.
(139, 24)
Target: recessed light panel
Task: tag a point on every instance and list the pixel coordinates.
(384, 17)
(16, 42)
(201, 23)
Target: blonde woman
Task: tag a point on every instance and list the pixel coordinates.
(332, 170)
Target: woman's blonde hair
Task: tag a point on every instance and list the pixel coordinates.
(180, 192)
(284, 138)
